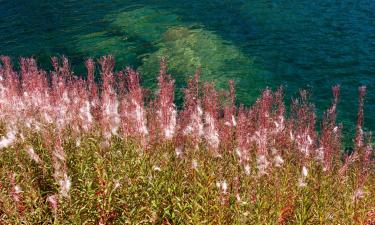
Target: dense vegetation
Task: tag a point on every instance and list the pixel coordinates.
(77, 151)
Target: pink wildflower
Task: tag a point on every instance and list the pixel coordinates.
(166, 110)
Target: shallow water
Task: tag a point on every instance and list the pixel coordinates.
(258, 43)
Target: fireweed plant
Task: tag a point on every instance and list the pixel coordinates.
(77, 151)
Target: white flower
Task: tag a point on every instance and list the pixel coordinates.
(234, 121)
(8, 139)
(238, 197)
(200, 111)
(117, 184)
(262, 164)
(238, 152)
(156, 168)
(78, 142)
(291, 136)
(301, 182)
(169, 129)
(309, 139)
(195, 124)
(211, 133)
(178, 151)
(47, 117)
(247, 169)
(358, 194)
(335, 129)
(65, 185)
(320, 154)
(279, 124)
(194, 164)
(224, 186)
(304, 171)
(17, 189)
(273, 151)
(52, 200)
(59, 153)
(33, 155)
(65, 97)
(188, 129)
(278, 161)
(140, 118)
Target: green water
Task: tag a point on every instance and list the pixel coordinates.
(258, 43)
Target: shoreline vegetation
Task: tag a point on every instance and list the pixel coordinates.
(107, 151)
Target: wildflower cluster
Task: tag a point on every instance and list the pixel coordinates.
(67, 125)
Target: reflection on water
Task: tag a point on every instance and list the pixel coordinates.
(259, 43)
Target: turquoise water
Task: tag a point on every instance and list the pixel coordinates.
(258, 43)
